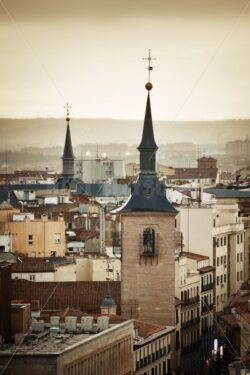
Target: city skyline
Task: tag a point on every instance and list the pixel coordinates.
(90, 55)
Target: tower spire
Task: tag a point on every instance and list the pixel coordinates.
(68, 155)
(148, 146)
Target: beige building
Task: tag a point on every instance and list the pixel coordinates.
(218, 230)
(194, 287)
(98, 268)
(109, 352)
(152, 348)
(34, 237)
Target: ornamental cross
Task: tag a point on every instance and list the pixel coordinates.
(67, 107)
(149, 67)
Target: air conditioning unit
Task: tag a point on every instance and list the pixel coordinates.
(70, 323)
(87, 323)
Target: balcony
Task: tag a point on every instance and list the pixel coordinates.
(206, 287)
(190, 301)
(207, 308)
(223, 229)
(190, 323)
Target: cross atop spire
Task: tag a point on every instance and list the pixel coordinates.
(67, 107)
(149, 68)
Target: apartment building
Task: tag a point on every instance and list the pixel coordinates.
(217, 232)
(194, 287)
(42, 237)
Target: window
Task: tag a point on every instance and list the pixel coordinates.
(241, 275)
(238, 276)
(237, 257)
(241, 237)
(30, 239)
(221, 260)
(217, 280)
(221, 241)
(225, 241)
(225, 278)
(148, 241)
(57, 238)
(218, 262)
(53, 253)
(32, 277)
(241, 257)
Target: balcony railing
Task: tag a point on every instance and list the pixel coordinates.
(190, 301)
(205, 288)
(190, 323)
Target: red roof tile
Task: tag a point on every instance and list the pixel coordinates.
(84, 295)
(146, 329)
(194, 256)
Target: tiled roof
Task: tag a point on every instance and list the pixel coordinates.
(84, 295)
(32, 267)
(146, 329)
(41, 264)
(194, 256)
(246, 316)
(206, 269)
(190, 173)
(54, 209)
(84, 235)
(230, 320)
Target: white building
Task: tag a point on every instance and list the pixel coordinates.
(216, 231)
(5, 242)
(98, 170)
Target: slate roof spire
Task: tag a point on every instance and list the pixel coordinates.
(68, 150)
(148, 193)
(148, 147)
(68, 155)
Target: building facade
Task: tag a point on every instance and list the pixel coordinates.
(35, 237)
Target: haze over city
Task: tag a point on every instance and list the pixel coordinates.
(90, 55)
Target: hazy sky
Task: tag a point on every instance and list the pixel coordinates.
(89, 53)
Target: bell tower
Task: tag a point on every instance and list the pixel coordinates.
(148, 241)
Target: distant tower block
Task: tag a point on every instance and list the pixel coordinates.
(68, 156)
(148, 239)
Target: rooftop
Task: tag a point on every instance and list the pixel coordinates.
(228, 193)
(84, 295)
(55, 342)
(194, 256)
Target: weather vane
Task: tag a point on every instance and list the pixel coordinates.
(149, 68)
(67, 107)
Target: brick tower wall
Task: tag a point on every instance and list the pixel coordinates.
(148, 283)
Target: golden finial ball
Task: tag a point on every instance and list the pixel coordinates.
(149, 86)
